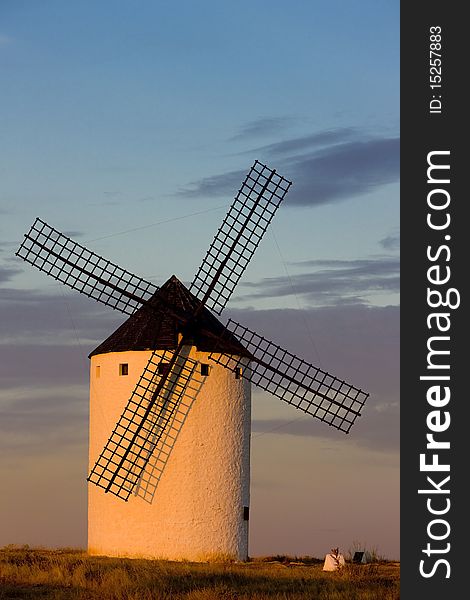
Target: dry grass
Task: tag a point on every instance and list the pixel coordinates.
(68, 574)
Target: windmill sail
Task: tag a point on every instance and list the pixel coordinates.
(293, 380)
(148, 412)
(80, 269)
(239, 236)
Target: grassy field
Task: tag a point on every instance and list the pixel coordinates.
(27, 573)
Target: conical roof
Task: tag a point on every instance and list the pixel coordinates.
(152, 327)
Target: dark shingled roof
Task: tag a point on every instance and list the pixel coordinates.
(151, 329)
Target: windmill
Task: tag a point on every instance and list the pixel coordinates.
(172, 384)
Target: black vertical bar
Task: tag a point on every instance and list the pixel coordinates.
(434, 51)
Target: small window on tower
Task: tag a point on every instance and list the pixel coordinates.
(123, 369)
(238, 372)
(246, 513)
(97, 371)
(204, 369)
(163, 368)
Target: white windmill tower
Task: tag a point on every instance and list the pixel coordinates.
(195, 491)
(186, 489)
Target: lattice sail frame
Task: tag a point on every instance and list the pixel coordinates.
(80, 269)
(239, 235)
(142, 424)
(293, 380)
(147, 484)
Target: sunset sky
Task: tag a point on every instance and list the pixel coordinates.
(129, 126)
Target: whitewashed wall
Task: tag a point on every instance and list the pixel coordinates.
(197, 509)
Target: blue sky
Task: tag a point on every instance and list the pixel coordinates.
(130, 126)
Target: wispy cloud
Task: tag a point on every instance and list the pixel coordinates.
(7, 246)
(343, 171)
(73, 233)
(326, 166)
(263, 126)
(381, 430)
(298, 144)
(332, 281)
(41, 417)
(7, 273)
(30, 317)
(391, 242)
(5, 39)
(214, 186)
